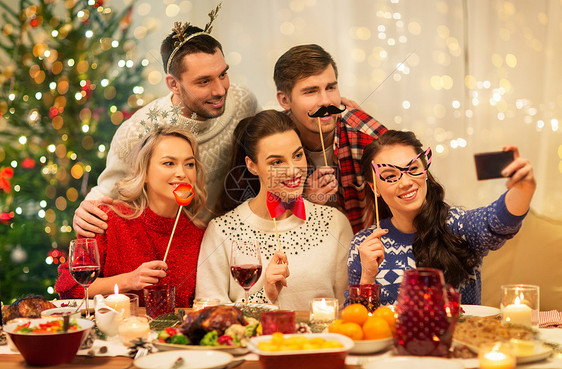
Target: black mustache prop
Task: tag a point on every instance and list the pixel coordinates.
(324, 111)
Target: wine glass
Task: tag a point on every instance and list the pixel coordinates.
(84, 264)
(245, 264)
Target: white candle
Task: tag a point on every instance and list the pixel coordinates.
(517, 313)
(496, 360)
(323, 310)
(133, 328)
(119, 302)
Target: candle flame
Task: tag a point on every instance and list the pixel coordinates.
(517, 301)
(116, 289)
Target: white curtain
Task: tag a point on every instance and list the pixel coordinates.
(476, 74)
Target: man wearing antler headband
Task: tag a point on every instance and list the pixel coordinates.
(307, 87)
(197, 77)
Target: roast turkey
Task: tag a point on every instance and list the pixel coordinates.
(212, 318)
(27, 307)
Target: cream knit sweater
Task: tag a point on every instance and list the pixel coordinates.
(316, 250)
(213, 136)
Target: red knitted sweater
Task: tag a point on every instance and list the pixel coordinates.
(127, 243)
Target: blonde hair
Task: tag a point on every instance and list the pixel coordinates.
(131, 190)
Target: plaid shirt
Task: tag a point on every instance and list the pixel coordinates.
(355, 129)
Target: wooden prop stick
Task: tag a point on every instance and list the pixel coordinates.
(277, 234)
(322, 141)
(376, 201)
(172, 235)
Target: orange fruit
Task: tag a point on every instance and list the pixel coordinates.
(355, 313)
(387, 314)
(351, 330)
(376, 328)
(335, 326)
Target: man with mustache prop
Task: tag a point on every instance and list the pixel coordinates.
(307, 88)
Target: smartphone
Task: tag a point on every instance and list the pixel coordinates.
(490, 164)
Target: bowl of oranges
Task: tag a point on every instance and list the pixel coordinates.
(370, 332)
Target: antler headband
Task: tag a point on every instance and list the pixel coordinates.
(179, 34)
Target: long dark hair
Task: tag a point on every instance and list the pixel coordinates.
(240, 184)
(434, 245)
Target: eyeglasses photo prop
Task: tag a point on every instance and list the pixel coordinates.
(415, 168)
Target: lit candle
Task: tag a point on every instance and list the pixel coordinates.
(323, 309)
(496, 356)
(202, 302)
(133, 328)
(517, 313)
(119, 302)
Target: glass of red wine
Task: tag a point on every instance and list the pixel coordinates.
(245, 264)
(84, 264)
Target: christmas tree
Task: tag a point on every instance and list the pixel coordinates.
(68, 78)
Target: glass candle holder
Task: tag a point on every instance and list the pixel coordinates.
(133, 328)
(498, 355)
(202, 302)
(368, 295)
(159, 299)
(520, 304)
(323, 309)
(278, 321)
(133, 303)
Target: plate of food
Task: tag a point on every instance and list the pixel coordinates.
(479, 310)
(78, 304)
(476, 331)
(220, 328)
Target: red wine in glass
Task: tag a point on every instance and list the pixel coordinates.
(246, 275)
(85, 275)
(84, 264)
(245, 264)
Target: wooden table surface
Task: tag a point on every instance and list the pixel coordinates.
(16, 361)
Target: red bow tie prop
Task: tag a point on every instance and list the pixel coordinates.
(277, 207)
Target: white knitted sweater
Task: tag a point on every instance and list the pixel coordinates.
(316, 250)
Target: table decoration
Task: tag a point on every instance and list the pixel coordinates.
(159, 299)
(202, 302)
(425, 310)
(498, 355)
(278, 321)
(133, 328)
(183, 194)
(323, 309)
(119, 302)
(368, 295)
(520, 304)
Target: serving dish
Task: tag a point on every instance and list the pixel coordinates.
(45, 349)
(480, 310)
(538, 353)
(204, 359)
(77, 304)
(371, 346)
(330, 358)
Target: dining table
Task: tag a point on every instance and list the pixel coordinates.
(84, 359)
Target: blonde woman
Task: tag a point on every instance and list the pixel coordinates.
(141, 221)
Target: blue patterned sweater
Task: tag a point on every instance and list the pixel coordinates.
(486, 228)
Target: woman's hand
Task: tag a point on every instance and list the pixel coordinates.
(147, 274)
(521, 183)
(276, 275)
(371, 252)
